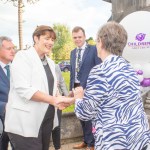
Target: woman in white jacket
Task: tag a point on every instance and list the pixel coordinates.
(30, 109)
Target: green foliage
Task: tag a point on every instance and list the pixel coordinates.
(90, 41)
(67, 49)
(66, 76)
(63, 44)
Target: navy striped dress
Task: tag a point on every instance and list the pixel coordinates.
(113, 102)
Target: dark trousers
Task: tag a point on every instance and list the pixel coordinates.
(87, 133)
(88, 137)
(42, 141)
(4, 140)
(56, 133)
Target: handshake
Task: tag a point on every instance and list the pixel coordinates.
(62, 102)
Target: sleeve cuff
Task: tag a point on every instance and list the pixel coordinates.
(30, 93)
(77, 100)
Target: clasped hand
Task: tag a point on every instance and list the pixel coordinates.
(62, 102)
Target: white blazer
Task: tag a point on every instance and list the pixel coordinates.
(23, 115)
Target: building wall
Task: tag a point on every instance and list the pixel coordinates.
(121, 8)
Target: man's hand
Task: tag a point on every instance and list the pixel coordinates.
(70, 94)
(78, 92)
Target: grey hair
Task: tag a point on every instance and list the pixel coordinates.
(113, 37)
(4, 38)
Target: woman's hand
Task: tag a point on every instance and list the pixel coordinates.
(62, 102)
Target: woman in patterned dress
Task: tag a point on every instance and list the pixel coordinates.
(112, 98)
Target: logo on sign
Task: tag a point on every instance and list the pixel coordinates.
(140, 36)
(139, 42)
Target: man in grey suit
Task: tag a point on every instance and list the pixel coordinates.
(7, 53)
(83, 58)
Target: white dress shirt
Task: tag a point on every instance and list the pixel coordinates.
(82, 52)
(3, 66)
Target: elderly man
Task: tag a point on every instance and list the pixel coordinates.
(7, 53)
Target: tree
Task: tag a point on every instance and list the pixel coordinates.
(65, 54)
(90, 41)
(20, 5)
(63, 44)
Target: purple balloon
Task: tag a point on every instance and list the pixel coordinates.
(145, 82)
(139, 72)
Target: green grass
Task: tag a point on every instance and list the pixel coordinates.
(69, 109)
(66, 76)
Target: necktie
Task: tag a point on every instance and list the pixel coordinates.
(8, 71)
(78, 62)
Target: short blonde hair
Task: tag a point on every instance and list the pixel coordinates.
(113, 37)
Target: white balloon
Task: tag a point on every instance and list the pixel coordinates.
(140, 77)
(146, 70)
(137, 67)
(141, 89)
(137, 49)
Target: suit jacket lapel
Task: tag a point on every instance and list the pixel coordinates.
(74, 59)
(3, 76)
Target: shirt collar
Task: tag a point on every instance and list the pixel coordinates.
(83, 47)
(3, 65)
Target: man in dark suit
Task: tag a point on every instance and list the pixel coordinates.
(7, 53)
(83, 58)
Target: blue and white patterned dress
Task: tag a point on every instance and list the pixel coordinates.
(113, 102)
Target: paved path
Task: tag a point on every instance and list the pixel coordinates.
(67, 146)
(64, 146)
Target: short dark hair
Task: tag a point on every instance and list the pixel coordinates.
(42, 29)
(78, 28)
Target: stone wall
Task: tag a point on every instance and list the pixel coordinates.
(71, 130)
